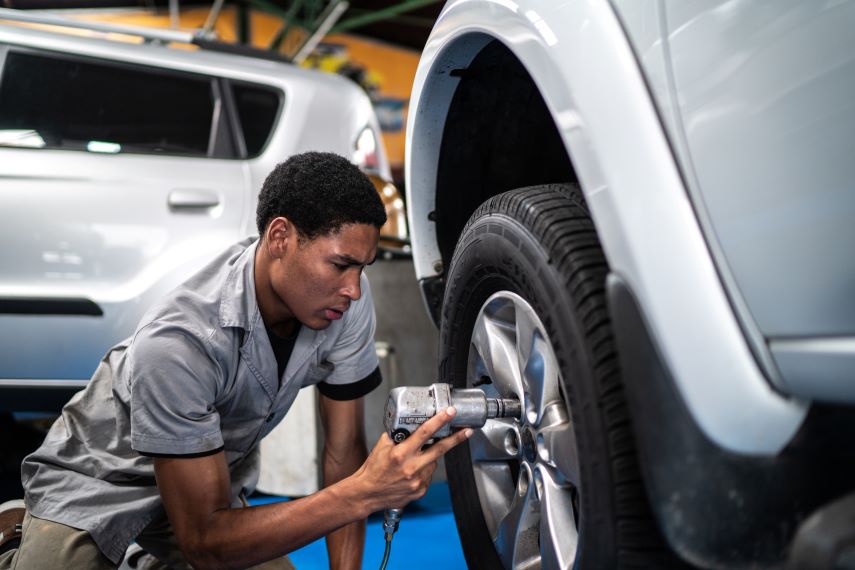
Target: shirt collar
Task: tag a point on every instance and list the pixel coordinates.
(238, 304)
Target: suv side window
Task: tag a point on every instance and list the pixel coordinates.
(77, 104)
(257, 109)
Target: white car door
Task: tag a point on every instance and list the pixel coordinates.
(111, 193)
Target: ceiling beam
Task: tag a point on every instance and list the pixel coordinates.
(380, 14)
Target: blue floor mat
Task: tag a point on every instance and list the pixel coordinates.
(427, 538)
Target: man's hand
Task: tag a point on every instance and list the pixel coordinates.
(393, 475)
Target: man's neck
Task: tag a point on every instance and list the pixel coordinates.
(273, 313)
(284, 329)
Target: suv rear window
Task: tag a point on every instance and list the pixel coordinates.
(257, 109)
(52, 102)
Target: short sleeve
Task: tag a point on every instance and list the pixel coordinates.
(352, 391)
(353, 355)
(173, 385)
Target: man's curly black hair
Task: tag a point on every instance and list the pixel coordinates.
(319, 192)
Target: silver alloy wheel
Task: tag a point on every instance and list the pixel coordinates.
(526, 471)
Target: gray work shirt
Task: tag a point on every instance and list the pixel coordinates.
(198, 375)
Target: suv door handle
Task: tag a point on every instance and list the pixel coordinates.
(192, 199)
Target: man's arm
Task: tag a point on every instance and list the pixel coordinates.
(344, 452)
(195, 492)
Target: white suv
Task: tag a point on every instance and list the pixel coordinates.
(636, 217)
(126, 166)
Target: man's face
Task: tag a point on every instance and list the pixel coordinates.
(318, 279)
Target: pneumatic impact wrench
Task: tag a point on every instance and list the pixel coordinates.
(409, 407)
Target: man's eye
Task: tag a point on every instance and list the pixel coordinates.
(340, 266)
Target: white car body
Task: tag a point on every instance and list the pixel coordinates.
(116, 231)
(710, 140)
(625, 161)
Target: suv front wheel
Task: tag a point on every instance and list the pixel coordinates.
(524, 316)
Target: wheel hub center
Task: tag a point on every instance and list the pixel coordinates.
(529, 447)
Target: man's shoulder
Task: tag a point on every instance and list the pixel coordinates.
(224, 269)
(192, 310)
(199, 298)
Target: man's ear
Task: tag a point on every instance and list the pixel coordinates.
(279, 235)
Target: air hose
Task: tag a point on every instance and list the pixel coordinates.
(386, 552)
(391, 520)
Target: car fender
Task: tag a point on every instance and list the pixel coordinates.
(591, 83)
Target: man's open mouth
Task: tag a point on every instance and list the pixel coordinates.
(334, 314)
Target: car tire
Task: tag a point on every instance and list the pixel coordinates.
(524, 316)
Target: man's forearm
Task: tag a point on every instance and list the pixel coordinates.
(247, 536)
(346, 545)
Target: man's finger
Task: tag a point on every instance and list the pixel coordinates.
(427, 471)
(384, 440)
(441, 447)
(427, 429)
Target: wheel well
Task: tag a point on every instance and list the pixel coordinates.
(498, 135)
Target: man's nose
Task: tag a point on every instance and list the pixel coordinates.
(352, 289)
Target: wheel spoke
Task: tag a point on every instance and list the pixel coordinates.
(496, 441)
(558, 533)
(494, 340)
(526, 329)
(496, 485)
(516, 537)
(557, 444)
(540, 378)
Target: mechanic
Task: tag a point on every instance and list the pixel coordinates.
(162, 445)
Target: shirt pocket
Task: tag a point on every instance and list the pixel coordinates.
(318, 372)
(244, 408)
